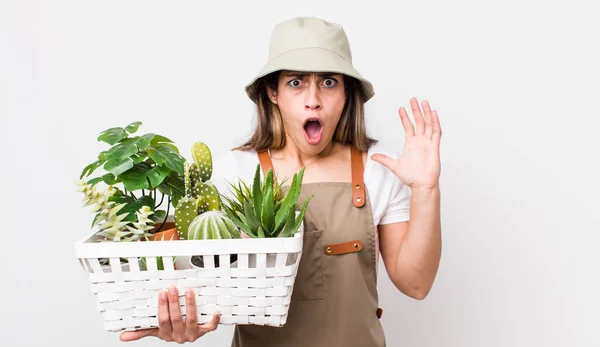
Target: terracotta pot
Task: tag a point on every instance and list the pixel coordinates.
(166, 233)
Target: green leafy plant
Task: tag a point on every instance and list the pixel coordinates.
(137, 169)
(263, 210)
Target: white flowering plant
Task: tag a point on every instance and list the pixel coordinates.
(137, 170)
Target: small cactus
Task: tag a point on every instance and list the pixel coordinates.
(202, 156)
(201, 196)
(212, 225)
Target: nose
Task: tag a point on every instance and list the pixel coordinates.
(313, 100)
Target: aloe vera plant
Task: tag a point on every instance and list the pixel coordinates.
(263, 210)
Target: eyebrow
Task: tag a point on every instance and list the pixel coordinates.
(302, 73)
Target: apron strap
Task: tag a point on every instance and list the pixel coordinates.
(358, 188)
(265, 162)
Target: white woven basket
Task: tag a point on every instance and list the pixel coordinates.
(254, 290)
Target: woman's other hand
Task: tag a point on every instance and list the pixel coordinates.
(419, 164)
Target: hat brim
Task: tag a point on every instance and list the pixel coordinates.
(310, 60)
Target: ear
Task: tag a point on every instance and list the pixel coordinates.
(272, 95)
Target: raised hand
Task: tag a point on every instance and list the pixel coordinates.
(171, 326)
(419, 163)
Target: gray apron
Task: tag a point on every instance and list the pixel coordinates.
(334, 302)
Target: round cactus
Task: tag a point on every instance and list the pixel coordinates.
(212, 225)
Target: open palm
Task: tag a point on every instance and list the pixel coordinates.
(419, 163)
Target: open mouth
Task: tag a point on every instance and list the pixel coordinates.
(313, 130)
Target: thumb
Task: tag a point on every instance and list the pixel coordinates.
(136, 335)
(384, 160)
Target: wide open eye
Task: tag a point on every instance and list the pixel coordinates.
(295, 83)
(330, 82)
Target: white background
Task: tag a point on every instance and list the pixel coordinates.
(514, 82)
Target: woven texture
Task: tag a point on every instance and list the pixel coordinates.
(255, 288)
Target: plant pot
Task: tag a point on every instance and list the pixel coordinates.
(196, 261)
(108, 267)
(166, 233)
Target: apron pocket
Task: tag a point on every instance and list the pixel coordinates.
(309, 279)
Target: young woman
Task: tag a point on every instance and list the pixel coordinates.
(367, 200)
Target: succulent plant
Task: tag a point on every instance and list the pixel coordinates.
(263, 210)
(200, 194)
(111, 217)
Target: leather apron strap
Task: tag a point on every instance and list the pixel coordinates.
(356, 162)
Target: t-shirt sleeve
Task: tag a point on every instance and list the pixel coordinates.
(225, 171)
(398, 207)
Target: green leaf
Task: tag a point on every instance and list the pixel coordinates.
(132, 207)
(109, 179)
(138, 158)
(123, 150)
(260, 232)
(95, 221)
(141, 143)
(159, 263)
(103, 156)
(158, 139)
(94, 181)
(133, 127)
(158, 216)
(251, 219)
(173, 186)
(175, 162)
(301, 214)
(117, 167)
(89, 169)
(268, 219)
(286, 203)
(148, 137)
(158, 157)
(112, 135)
(164, 156)
(157, 175)
(290, 222)
(257, 192)
(136, 177)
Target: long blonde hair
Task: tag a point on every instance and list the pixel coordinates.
(270, 132)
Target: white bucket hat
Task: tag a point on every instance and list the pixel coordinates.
(309, 44)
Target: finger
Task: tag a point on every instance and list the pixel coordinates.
(418, 116)
(164, 321)
(384, 160)
(210, 326)
(175, 313)
(136, 335)
(437, 128)
(409, 129)
(191, 316)
(428, 118)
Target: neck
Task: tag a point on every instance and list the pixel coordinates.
(291, 152)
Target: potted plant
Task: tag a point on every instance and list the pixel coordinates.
(264, 210)
(138, 170)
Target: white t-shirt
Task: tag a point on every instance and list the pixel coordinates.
(389, 196)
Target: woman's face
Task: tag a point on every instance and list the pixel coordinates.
(311, 105)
